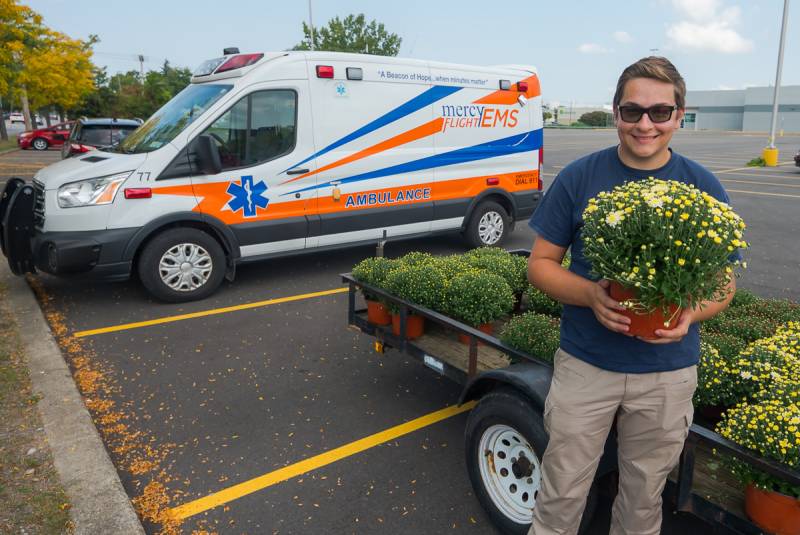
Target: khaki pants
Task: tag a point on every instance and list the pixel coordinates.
(653, 413)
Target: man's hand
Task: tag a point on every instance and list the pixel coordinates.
(669, 336)
(604, 308)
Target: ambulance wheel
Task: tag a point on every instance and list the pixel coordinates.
(182, 264)
(488, 225)
(40, 143)
(504, 444)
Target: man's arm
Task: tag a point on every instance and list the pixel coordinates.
(546, 273)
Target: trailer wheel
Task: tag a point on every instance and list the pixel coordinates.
(182, 264)
(505, 442)
(488, 226)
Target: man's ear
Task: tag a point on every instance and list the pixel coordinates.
(679, 117)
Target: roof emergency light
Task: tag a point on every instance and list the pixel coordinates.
(324, 71)
(505, 85)
(522, 87)
(237, 62)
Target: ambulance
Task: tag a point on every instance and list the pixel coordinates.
(278, 153)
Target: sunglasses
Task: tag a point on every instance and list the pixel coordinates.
(660, 113)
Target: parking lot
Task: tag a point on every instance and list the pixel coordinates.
(217, 413)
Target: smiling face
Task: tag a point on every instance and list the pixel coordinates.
(645, 144)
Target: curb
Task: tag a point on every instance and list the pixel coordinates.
(99, 502)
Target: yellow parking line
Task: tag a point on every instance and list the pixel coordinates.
(763, 193)
(318, 461)
(203, 313)
(759, 183)
(752, 168)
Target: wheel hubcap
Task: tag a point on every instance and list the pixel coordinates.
(510, 472)
(39, 144)
(490, 228)
(185, 267)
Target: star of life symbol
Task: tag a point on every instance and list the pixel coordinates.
(247, 196)
(341, 89)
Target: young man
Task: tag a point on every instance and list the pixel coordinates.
(602, 373)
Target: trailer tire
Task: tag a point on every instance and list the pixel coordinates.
(181, 264)
(506, 480)
(488, 225)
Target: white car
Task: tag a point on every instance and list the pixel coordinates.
(16, 117)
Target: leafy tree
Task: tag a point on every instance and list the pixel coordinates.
(596, 118)
(57, 72)
(546, 115)
(128, 95)
(20, 30)
(352, 34)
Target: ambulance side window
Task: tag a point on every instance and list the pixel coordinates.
(258, 128)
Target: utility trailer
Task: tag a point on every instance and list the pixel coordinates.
(505, 437)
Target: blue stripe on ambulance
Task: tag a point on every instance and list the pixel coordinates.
(433, 94)
(525, 142)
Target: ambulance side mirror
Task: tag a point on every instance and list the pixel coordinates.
(208, 160)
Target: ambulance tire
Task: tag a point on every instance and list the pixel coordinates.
(199, 255)
(488, 225)
(507, 417)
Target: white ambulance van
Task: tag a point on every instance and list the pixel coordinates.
(285, 152)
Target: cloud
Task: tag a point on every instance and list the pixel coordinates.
(622, 37)
(713, 36)
(592, 48)
(711, 26)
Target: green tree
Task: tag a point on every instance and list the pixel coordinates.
(596, 118)
(20, 31)
(352, 34)
(546, 115)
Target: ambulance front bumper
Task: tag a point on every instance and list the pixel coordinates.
(96, 253)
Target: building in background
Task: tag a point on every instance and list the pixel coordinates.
(747, 110)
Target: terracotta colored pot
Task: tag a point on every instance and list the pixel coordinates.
(415, 326)
(642, 325)
(377, 313)
(485, 328)
(772, 511)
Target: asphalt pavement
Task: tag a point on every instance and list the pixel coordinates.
(219, 396)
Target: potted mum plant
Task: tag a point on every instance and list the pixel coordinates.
(478, 298)
(373, 271)
(769, 428)
(664, 245)
(420, 283)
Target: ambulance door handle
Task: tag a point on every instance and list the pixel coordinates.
(297, 172)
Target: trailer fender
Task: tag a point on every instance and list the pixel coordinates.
(532, 380)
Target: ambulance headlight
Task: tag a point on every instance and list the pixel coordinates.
(94, 191)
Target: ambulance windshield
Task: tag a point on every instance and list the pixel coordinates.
(172, 118)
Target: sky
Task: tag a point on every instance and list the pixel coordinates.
(578, 46)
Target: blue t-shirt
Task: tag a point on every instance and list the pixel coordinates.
(558, 219)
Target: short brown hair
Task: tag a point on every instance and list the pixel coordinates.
(655, 68)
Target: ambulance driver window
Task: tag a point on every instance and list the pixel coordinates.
(269, 132)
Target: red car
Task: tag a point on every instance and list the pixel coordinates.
(41, 139)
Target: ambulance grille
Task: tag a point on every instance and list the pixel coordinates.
(38, 204)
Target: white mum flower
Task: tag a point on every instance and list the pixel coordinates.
(655, 202)
(614, 218)
(746, 375)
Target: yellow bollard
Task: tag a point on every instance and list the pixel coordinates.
(770, 156)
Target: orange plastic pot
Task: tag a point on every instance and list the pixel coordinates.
(643, 325)
(377, 313)
(772, 511)
(485, 328)
(415, 326)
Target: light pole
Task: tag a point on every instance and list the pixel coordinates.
(770, 153)
(311, 23)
